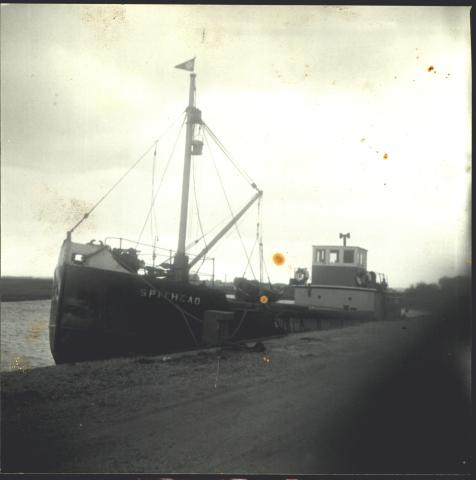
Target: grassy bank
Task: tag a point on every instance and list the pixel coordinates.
(14, 289)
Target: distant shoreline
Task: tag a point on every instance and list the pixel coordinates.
(23, 298)
(17, 289)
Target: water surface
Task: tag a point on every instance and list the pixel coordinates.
(24, 335)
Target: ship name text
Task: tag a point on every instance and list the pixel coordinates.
(172, 296)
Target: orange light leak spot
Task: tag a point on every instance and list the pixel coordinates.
(263, 299)
(385, 156)
(278, 259)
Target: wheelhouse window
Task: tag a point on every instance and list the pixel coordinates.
(333, 256)
(349, 256)
(362, 259)
(320, 255)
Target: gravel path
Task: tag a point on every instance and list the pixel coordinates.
(384, 397)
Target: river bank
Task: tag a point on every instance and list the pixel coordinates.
(16, 289)
(379, 397)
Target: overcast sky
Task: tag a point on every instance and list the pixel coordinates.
(350, 119)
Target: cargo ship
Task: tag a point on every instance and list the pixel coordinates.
(108, 301)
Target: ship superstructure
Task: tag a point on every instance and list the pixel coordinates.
(340, 281)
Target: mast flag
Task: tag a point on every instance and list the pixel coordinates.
(188, 65)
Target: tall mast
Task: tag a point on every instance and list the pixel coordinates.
(181, 266)
(193, 117)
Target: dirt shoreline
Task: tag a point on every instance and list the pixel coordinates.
(312, 402)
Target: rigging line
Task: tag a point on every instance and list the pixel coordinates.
(239, 324)
(251, 254)
(231, 211)
(191, 244)
(152, 232)
(177, 307)
(229, 206)
(198, 214)
(227, 154)
(161, 181)
(259, 237)
(267, 274)
(262, 252)
(183, 312)
(224, 150)
(133, 241)
(258, 221)
(86, 215)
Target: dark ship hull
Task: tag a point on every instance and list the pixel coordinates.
(97, 314)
